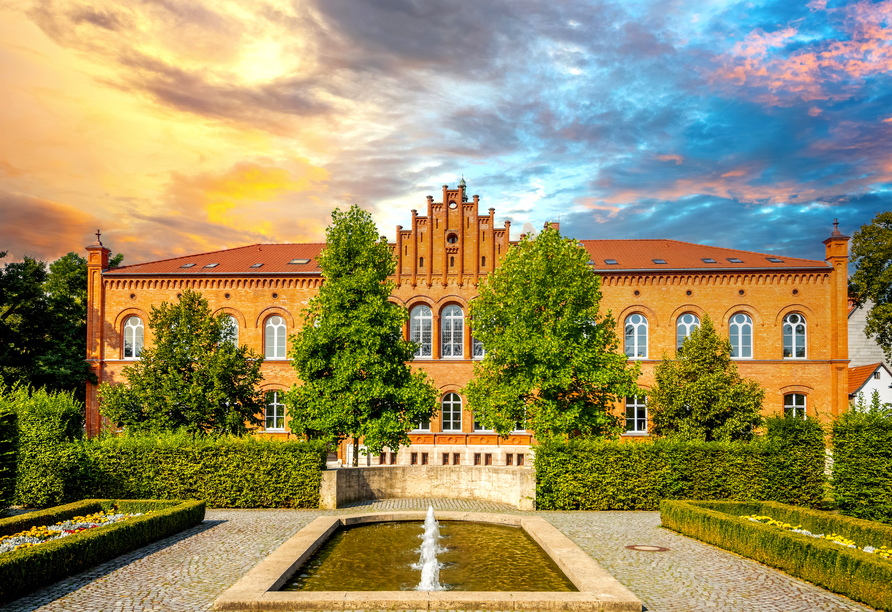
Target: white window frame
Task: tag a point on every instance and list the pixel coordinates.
(636, 405)
(420, 318)
(132, 333)
(795, 335)
(450, 401)
(638, 351)
(478, 351)
(452, 332)
(420, 426)
(790, 404)
(278, 411)
(273, 349)
(687, 326)
(233, 325)
(736, 326)
(480, 429)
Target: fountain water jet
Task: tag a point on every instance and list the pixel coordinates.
(430, 567)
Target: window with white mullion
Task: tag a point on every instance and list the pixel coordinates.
(452, 325)
(636, 336)
(421, 325)
(452, 409)
(741, 332)
(794, 336)
(687, 323)
(794, 405)
(133, 337)
(636, 414)
(275, 338)
(275, 412)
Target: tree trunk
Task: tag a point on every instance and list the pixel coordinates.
(355, 451)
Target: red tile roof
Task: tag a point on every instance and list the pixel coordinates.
(859, 375)
(640, 255)
(274, 257)
(628, 254)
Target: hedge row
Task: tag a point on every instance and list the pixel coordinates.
(851, 572)
(786, 465)
(8, 435)
(862, 465)
(225, 472)
(28, 569)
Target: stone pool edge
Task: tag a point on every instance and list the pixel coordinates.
(598, 590)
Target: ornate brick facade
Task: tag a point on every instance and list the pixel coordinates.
(440, 260)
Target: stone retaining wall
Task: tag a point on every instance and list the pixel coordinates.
(514, 486)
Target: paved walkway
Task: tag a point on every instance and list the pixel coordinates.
(188, 571)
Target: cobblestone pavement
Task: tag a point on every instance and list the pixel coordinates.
(188, 571)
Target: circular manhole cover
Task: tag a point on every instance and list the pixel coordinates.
(646, 548)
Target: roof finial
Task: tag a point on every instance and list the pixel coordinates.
(98, 241)
(464, 186)
(836, 231)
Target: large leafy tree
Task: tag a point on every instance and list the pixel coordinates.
(23, 319)
(700, 395)
(871, 255)
(193, 377)
(350, 353)
(552, 360)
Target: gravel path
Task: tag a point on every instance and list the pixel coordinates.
(188, 571)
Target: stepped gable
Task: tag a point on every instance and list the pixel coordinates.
(274, 257)
(640, 255)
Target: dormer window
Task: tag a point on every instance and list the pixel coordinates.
(257, 265)
(213, 265)
(188, 265)
(735, 260)
(299, 262)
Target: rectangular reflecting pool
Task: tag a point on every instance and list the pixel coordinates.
(472, 557)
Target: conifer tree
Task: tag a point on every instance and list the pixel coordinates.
(350, 353)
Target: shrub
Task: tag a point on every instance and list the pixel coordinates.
(227, 472)
(8, 443)
(862, 465)
(27, 569)
(795, 474)
(851, 572)
(47, 422)
(595, 475)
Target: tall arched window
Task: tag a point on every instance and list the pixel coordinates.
(231, 324)
(421, 325)
(275, 338)
(452, 412)
(687, 323)
(275, 411)
(794, 405)
(452, 325)
(133, 337)
(636, 336)
(794, 336)
(741, 329)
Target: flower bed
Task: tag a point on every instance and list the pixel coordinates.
(774, 534)
(47, 533)
(33, 567)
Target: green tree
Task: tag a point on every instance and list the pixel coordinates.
(552, 362)
(193, 377)
(23, 318)
(350, 353)
(700, 395)
(871, 255)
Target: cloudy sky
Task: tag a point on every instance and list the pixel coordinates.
(187, 126)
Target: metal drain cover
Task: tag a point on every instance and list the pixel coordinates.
(646, 548)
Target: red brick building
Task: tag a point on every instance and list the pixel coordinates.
(786, 317)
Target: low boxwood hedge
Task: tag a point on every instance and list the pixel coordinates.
(28, 569)
(851, 572)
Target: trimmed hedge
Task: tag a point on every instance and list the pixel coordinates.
(8, 437)
(28, 569)
(226, 472)
(786, 465)
(851, 572)
(862, 465)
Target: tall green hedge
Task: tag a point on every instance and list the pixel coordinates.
(786, 465)
(8, 437)
(862, 465)
(227, 472)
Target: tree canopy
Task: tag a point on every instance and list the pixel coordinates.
(552, 361)
(350, 353)
(700, 395)
(193, 377)
(871, 283)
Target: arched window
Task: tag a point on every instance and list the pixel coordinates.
(452, 325)
(275, 338)
(275, 411)
(421, 325)
(452, 412)
(636, 336)
(687, 323)
(636, 414)
(794, 336)
(794, 405)
(133, 337)
(741, 329)
(231, 326)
